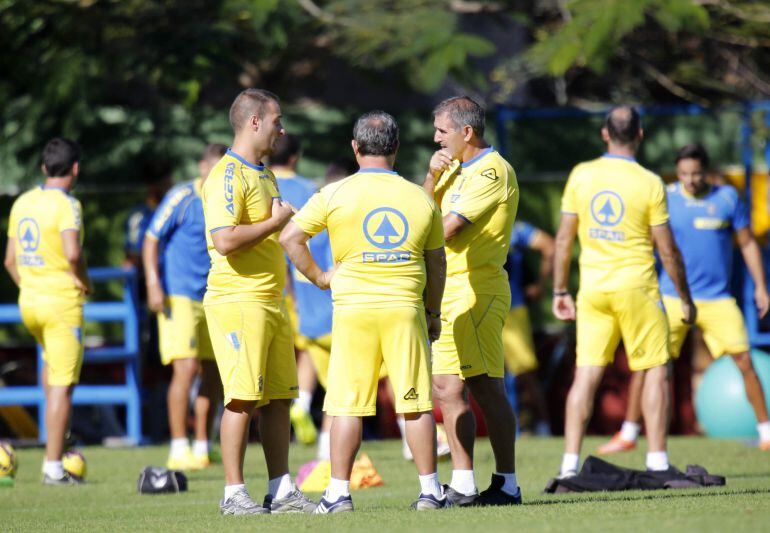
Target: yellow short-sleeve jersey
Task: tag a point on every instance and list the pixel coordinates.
(380, 226)
(38, 218)
(616, 201)
(237, 192)
(484, 192)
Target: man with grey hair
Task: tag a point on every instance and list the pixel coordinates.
(245, 313)
(617, 209)
(478, 194)
(387, 242)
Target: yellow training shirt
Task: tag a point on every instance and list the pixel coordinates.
(379, 226)
(485, 193)
(237, 192)
(38, 217)
(616, 201)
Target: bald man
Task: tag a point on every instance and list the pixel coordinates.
(617, 208)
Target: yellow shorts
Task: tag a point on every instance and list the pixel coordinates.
(519, 347)
(254, 351)
(635, 315)
(471, 341)
(721, 322)
(182, 331)
(362, 339)
(300, 341)
(58, 327)
(319, 351)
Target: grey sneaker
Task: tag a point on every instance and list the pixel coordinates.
(66, 479)
(428, 502)
(343, 505)
(295, 502)
(239, 504)
(457, 498)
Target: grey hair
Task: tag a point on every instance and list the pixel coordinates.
(376, 133)
(463, 111)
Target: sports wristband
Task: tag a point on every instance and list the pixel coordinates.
(431, 314)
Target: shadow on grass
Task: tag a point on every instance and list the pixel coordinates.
(618, 496)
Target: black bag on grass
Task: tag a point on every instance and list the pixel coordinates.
(599, 475)
(154, 480)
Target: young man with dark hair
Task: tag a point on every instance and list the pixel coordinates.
(45, 258)
(479, 196)
(309, 307)
(706, 219)
(247, 320)
(387, 241)
(618, 210)
(176, 265)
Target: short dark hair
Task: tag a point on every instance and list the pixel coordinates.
(341, 167)
(59, 156)
(376, 133)
(463, 111)
(155, 167)
(250, 102)
(285, 147)
(694, 151)
(623, 123)
(213, 151)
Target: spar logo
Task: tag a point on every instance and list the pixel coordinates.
(229, 174)
(386, 228)
(607, 208)
(29, 235)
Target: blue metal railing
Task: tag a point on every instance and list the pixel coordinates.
(127, 394)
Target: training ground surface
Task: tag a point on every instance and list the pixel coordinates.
(109, 502)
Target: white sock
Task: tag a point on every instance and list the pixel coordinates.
(569, 462)
(304, 400)
(179, 447)
(764, 431)
(401, 425)
(232, 489)
(429, 485)
(200, 447)
(629, 431)
(463, 482)
(510, 486)
(337, 489)
(324, 446)
(657, 461)
(53, 469)
(280, 487)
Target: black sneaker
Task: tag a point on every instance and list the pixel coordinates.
(457, 498)
(495, 496)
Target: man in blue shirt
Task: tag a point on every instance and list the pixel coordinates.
(310, 308)
(176, 239)
(520, 358)
(704, 219)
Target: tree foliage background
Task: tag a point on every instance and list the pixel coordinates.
(135, 79)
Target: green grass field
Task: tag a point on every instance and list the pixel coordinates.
(109, 502)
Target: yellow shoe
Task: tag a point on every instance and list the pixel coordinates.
(302, 422)
(199, 461)
(180, 462)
